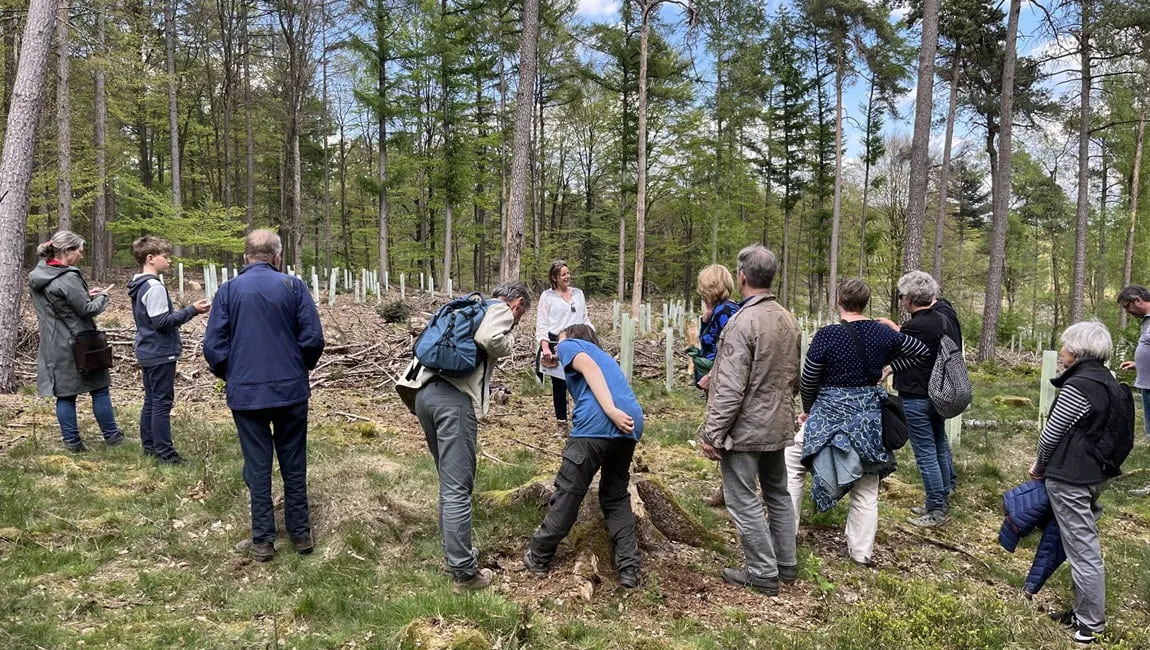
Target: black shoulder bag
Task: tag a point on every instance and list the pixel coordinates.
(894, 427)
(90, 348)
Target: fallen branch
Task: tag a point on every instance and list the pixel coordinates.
(536, 447)
(353, 416)
(946, 545)
(493, 458)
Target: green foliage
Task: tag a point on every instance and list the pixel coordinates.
(396, 311)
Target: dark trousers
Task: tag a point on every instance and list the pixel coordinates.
(282, 430)
(582, 458)
(559, 398)
(156, 414)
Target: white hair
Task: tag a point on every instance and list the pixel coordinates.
(1088, 339)
(919, 287)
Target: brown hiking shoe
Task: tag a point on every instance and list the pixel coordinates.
(304, 545)
(258, 551)
(481, 580)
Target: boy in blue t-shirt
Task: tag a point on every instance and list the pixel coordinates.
(608, 421)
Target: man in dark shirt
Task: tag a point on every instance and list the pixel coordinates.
(263, 338)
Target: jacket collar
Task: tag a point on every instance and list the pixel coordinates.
(1084, 367)
(254, 265)
(756, 299)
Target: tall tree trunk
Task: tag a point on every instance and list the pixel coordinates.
(1135, 186)
(381, 90)
(944, 174)
(868, 135)
(920, 143)
(225, 12)
(645, 7)
(836, 209)
(1082, 215)
(63, 118)
(101, 241)
(16, 175)
(249, 135)
(173, 112)
(521, 144)
(1100, 263)
(992, 304)
(326, 149)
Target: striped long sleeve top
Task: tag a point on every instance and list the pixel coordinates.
(833, 358)
(1070, 407)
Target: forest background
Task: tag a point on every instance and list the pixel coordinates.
(381, 134)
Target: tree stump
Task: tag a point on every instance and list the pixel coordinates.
(658, 519)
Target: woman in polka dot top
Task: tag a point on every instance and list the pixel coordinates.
(841, 437)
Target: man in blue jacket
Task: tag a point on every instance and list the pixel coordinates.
(263, 337)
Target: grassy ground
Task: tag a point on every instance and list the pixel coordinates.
(106, 550)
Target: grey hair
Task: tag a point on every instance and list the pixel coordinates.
(1088, 339)
(759, 265)
(512, 290)
(920, 287)
(1133, 293)
(62, 242)
(262, 246)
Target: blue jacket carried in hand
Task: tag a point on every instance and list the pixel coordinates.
(1028, 508)
(263, 337)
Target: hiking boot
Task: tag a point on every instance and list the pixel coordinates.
(115, 441)
(562, 428)
(716, 500)
(535, 565)
(918, 511)
(629, 578)
(303, 545)
(75, 447)
(1083, 635)
(1140, 492)
(151, 453)
(174, 459)
(481, 580)
(740, 578)
(788, 573)
(1065, 619)
(932, 519)
(258, 551)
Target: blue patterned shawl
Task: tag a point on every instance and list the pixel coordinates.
(842, 441)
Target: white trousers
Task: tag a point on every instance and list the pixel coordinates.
(862, 517)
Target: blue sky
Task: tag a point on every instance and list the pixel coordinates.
(1032, 38)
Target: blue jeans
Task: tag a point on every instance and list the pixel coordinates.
(101, 406)
(931, 451)
(156, 414)
(1146, 410)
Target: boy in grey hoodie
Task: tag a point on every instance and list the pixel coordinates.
(158, 344)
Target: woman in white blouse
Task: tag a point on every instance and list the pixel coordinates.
(560, 306)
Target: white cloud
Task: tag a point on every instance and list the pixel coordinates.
(598, 8)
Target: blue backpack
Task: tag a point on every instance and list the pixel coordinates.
(447, 344)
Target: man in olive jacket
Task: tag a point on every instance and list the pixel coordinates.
(750, 420)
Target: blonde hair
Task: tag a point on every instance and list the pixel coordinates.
(715, 284)
(62, 242)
